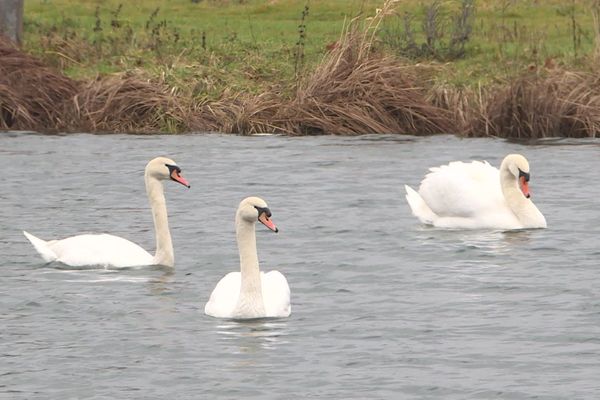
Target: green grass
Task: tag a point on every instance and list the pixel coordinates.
(251, 45)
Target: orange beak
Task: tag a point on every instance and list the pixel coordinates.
(178, 178)
(524, 186)
(267, 222)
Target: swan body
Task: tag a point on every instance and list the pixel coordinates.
(250, 293)
(92, 249)
(477, 195)
(112, 251)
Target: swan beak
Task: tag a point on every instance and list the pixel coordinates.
(524, 186)
(178, 178)
(267, 222)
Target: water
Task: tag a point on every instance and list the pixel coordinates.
(382, 307)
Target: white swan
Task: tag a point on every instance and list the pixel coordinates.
(477, 195)
(113, 251)
(250, 293)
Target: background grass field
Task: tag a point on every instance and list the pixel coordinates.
(247, 46)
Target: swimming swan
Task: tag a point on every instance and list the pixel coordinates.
(477, 195)
(113, 251)
(250, 293)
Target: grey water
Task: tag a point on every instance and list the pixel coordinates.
(382, 307)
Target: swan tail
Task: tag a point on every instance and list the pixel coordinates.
(41, 246)
(418, 206)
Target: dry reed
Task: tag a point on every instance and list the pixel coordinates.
(240, 115)
(552, 104)
(354, 90)
(129, 103)
(32, 96)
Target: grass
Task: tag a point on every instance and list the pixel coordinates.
(245, 47)
(300, 67)
(250, 45)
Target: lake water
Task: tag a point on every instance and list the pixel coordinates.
(382, 307)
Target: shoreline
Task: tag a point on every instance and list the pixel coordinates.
(357, 88)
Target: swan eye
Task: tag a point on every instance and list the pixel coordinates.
(173, 168)
(525, 175)
(263, 210)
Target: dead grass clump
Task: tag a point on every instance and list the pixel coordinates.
(241, 115)
(556, 104)
(353, 91)
(356, 91)
(13, 114)
(463, 103)
(32, 96)
(130, 104)
(376, 96)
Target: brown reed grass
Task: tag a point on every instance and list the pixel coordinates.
(541, 104)
(244, 115)
(130, 103)
(32, 96)
(354, 90)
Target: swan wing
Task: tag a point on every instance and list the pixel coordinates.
(276, 294)
(97, 250)
(224, 297)
(463, 190)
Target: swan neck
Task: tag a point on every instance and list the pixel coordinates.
(520, 205)
(246, 240)
(164, 247)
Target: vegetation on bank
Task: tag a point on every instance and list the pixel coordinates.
(508, 68)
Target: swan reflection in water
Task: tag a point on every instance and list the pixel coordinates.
(493, 242)
(249, 336)
(157, 276)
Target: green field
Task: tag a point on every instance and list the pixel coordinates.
(248, 46)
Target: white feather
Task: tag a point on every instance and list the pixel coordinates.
(275, 292)
(469, 195)
(112, 251)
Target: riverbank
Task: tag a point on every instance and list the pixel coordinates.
(122, 72)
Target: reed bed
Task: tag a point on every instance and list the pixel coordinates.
(244, 115)
(355, 89)
(547, 104)
(128, 103)
(32, 96)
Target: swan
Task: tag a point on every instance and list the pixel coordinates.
(112, 251)
(250, 293)
(476, 195)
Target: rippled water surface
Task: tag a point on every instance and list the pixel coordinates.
(382, 307)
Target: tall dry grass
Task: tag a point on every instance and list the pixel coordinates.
(357, 90)
(130, 103)
(354, 90)
(239, 114)
(32, 96)
(463, 103)
(548, 104)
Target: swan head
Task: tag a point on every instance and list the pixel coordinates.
(518, 166)
(163, 168)
(253, 209)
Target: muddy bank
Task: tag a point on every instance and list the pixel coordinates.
(355, 90)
